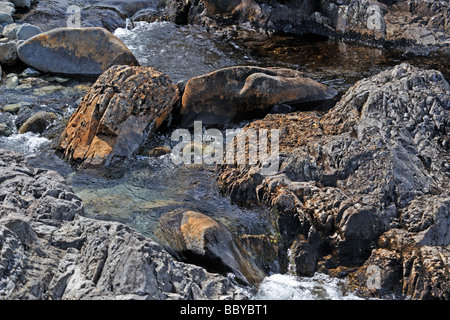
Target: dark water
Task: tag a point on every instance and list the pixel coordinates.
(334, 62)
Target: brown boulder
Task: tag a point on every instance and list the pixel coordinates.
(117, 115)
(242, 92)
(201, 240)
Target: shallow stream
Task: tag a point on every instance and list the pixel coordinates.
(142, 189)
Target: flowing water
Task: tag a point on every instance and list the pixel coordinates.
(143, 188)
(186, 51)
(181, 52)
(141, 191)
(28, 144)
(317, 287)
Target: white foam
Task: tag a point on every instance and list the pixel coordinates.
(318, 287)
(27, 144)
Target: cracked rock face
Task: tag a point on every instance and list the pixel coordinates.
(377, 162)
(48, 250)
(413, 260)
(121, 110)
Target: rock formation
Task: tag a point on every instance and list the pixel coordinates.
(108, 14)
(422, 25)
(197, 237)
(123, 107)
(49, 250)
(367, 180)
(412, 260)
(416, 27)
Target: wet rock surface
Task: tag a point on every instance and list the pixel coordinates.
(197, 237)
(45, 102)
(358, 171)
(237, 93)
(50, 251)
(416, 27)
(361, 188)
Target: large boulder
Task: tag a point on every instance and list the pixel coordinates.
(75, 51)
(123, 107)
(242, 92)
(199, 239)
(376, 162)
(50, 251)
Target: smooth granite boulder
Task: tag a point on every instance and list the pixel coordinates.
(75, 51)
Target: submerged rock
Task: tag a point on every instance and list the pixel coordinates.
(50, 251)
(7, 126)
(200, 239)
(158, 151)
(361, 170)
(38, 122)
(118, 114)
(12, 108)
(242, 92)
(75, 51)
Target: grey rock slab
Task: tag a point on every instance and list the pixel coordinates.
(49, 250)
